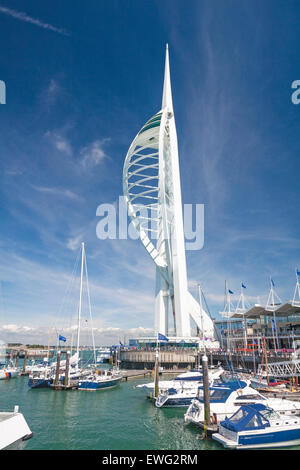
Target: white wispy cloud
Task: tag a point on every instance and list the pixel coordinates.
(57, 192)
(50, 93)
(93, 154)
(60, 142)
(19, 15)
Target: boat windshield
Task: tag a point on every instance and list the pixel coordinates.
(217, 396)
(268, 413)
(250, 397)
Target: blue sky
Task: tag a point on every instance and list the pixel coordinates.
(82, 78)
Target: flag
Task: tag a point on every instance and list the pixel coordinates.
(273, 284)
(298, 272)
(161, 337)
(273, 325)
(243, 285)
(61, 338)
(230, 291)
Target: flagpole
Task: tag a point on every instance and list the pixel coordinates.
(244, 319)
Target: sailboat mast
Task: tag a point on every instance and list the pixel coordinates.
(90, 309)
(201, 313)
(80, 298)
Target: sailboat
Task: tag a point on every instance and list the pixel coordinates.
(45, 375)
(8, 371)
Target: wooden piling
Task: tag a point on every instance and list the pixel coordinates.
(24, 363)
(57, 368)
(206, 394)
(17, 360)
(156, 371)
(66, 381)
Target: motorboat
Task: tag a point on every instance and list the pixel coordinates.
(101, 380)
(257, 426)
(260, 381)
(187, 380)
(8, 372)
(225, 399)
(14, 431)
(183, 397)
(103, 356)
(176, 398)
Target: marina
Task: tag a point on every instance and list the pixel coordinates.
(184, 333)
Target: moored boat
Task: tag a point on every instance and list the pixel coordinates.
(8, 373)
(258, 426)
(187, 380)
(227, 398)
(100, 380)
(14, 431)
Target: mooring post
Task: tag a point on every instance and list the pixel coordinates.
(11, 362)
(156, 370)
(66, 381)
(24, 363)
(206, 393)
(57, 368)
(17, 360)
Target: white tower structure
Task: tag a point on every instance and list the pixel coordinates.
(151, 184)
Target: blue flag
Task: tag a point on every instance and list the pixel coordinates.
(61, 338)
(273, 325)
(273, 284)
(230, 291)
(298, 272)
(161, 337)
(243, 285)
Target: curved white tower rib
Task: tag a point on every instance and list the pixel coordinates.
(151, 184)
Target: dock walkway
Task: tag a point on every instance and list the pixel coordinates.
(139, 373)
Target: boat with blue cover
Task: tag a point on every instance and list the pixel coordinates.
(258, 426)
(226, 399)
(187, 380)
(183, 397)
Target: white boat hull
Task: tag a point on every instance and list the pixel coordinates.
(14, 431)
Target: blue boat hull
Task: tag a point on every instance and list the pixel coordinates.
(40, 383)
(281, 438)
(87, 385)
(178, 402)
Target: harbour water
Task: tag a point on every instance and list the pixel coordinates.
(116, 419)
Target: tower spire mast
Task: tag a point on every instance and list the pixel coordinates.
(151, 178)
(167, 101)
